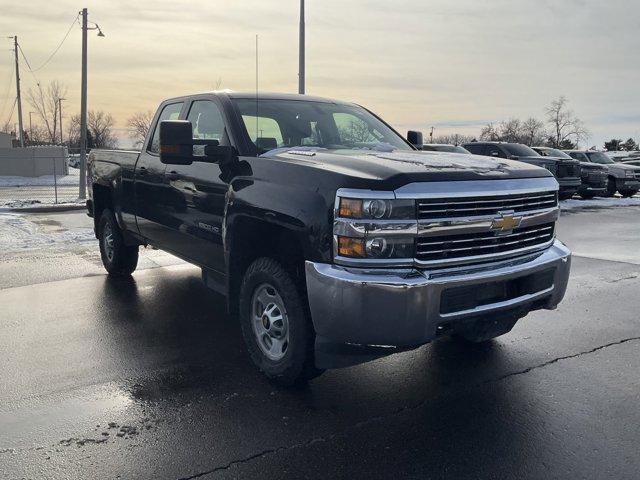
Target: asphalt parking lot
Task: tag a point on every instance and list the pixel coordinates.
(148, 378)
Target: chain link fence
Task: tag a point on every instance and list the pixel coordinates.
(38, 176)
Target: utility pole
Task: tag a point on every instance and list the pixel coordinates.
(31, 127)
(19, 98)
(60, 108)
(301, 48)
(82, 194)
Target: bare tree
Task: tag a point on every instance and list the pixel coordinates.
(489, 133)
(38, 135)
(218, 84)
(453, 139)
(564, 123)
(99, 130)
(533, 132)
(509, 130)
(46, 102)
(139, 123)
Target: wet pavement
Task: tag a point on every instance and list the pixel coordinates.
(148, 378)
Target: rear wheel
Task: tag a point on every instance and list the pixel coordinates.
(276, 325)
(118, 258)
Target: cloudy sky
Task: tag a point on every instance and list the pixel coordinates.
(455, 65)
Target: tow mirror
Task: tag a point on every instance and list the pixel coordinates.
(176, 142)
(414, 138)
(177, 146)
(221, 154)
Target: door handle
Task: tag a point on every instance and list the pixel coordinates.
(173, 175)
(142, 171)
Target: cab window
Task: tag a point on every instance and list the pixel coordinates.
(206, 120)
(169, 112)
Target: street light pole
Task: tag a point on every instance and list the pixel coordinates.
(301, 51)
(19, 98)
(60, 108)
(82, 194)
(83, 105)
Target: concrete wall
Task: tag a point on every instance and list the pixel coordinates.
(5, 140)
(33, 161)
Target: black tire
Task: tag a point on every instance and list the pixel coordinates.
(118, 258)
(587, 196)
(297, 364)
(628, 193)
(611, 187)
(485, 330)
(566, 195)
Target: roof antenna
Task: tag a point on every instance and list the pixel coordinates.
(257, 95)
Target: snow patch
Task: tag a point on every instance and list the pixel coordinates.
(43, 181)
(600, 203)
(18, 233)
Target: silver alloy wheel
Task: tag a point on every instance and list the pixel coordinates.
(270, 322)
(107, 241)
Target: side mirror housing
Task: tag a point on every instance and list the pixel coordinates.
(176, 142)
(221, 154)
(414, 138)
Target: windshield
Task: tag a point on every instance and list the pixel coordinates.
(553, 152)
(301, 123)
(520, 150)
(598, 157)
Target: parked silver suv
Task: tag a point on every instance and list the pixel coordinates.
(622, 178)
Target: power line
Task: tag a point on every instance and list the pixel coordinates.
(6, 94)
(15, 100)
(46, 62)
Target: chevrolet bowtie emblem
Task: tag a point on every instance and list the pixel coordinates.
(505, 222)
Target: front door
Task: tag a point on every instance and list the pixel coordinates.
(197, 198)
(151, 190)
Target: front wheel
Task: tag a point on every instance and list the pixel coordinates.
(628, 193)
(275, 323)
(611, 187)
(118, 258)
(566, 195)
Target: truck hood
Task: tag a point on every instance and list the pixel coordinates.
(402, 167)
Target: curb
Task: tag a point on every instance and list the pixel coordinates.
(46, 209)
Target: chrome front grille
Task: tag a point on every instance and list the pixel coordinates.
(480, 244)
(439, 208)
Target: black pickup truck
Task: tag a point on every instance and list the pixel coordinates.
(566, 171)
(333, 238)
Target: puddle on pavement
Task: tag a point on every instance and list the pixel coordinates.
(45, 420)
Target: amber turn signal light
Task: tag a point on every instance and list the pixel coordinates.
(351, 247)
(350, 208)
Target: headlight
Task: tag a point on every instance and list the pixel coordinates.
(376, 208)
(373, 231)
(629, 174)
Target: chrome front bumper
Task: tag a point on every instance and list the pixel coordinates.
(402, 307)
